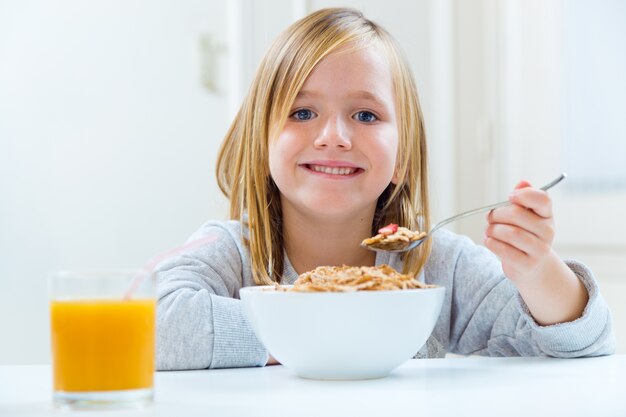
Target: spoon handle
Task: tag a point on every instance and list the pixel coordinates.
(492, 206)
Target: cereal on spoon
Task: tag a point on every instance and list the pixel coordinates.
(393, 237)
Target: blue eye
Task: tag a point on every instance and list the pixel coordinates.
(366, 117)
(303, 114)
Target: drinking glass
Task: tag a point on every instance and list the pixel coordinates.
(103, 338)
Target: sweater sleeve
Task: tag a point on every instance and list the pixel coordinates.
(489, 317)
(200, 321)
(589, 335)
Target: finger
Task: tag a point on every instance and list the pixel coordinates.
(510, 256)
(518, 238)
(522, 184)
(516, 215)
(534, 199)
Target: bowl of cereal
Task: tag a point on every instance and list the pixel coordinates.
(344, 322)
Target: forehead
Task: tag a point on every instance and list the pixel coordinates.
(347, 71)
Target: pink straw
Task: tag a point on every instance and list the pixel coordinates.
(149, 267)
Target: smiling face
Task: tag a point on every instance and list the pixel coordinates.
(337, 151)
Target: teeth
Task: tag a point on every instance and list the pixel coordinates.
(333, 170)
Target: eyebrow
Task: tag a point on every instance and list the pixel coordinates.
(359, 94)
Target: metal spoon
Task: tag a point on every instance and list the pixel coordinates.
(416, 243)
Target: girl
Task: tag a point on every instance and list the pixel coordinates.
(328, 147)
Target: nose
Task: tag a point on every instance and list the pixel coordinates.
(333, 134)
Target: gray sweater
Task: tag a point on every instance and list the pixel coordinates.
(200, 321)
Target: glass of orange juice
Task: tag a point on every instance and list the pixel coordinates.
(103, 336)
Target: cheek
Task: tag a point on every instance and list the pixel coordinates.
(389, 151)
(274, 160)
(386, 156)
(278, 155)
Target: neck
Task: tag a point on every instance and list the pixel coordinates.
(312, 241)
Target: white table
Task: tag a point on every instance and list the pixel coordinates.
(461, 387)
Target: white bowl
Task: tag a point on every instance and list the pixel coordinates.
(355, 335)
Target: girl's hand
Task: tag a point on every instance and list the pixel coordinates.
(521, 236)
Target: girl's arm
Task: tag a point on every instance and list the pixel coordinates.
(200, 320)
(521, 236)
(484, 313)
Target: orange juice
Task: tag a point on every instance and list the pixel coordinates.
(102, 345)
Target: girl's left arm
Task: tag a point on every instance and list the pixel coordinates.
(484, 313)
(521, 235)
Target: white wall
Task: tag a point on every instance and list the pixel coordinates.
(107, 144)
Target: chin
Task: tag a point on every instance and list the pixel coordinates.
(337, 206)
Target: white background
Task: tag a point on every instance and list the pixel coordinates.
(111, 114)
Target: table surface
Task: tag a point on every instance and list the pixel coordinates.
(472, 386)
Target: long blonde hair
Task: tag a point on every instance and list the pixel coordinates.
(243, 171)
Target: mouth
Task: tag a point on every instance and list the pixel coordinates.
(341, 171)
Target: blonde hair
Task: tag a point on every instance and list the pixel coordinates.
(243, 171)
